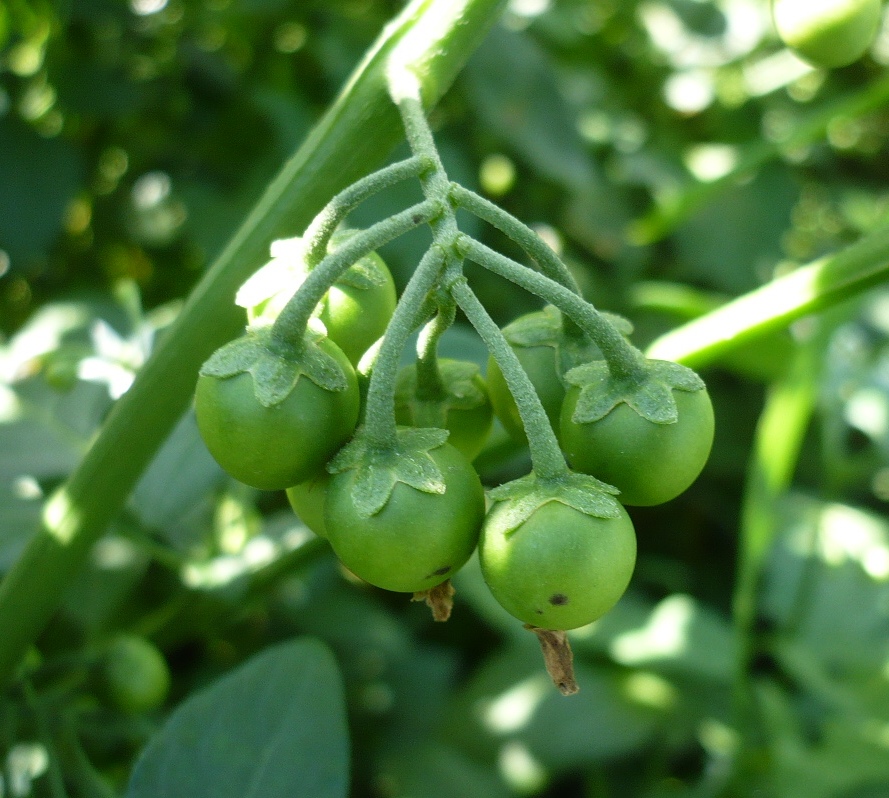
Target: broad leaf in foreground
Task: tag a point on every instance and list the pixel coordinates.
(273, 728)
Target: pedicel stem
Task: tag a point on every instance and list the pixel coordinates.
(319, 232)
(624, 361)
(290, 325)
(380, 426)
(535, 247)
(429, 382)
(546, 456)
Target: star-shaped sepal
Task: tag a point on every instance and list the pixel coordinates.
(379, 470)
(461, 380)
(546, 327)
(651, 397)
(581, 492)
(275, 372)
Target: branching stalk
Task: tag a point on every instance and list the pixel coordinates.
(323, 226)
(380, 414)
(623, 359)
(290, 325)
(533, 245)
(546, 456)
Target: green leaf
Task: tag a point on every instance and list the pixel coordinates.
(38, 178)
(543, 328)
(159, 500)
(681, 635)
(622, 715)
(380, 470)
(512, 84)
(825, 584)
(44, 432)
(273, 728)
(364, 273)
(652, 398)
(510, 705)
(437, 770)
(20, 505)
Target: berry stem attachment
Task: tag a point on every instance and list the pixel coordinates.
(625, 362)
(318, 233)
(429, 382)
(379, 416)
(546, 457)
(290, 325)
(558, 658)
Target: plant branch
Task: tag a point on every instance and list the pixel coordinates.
(380, 414)
(775, 305)
(318, 233)
(546, 456)
(429, 382)
(623, 359)
(535, 247)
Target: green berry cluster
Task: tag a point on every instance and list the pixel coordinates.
(377, 459)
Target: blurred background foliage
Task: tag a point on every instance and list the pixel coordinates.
(675, 155)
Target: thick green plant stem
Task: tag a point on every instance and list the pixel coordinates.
(434, 38)
(661, 221)
(290, 325)
(546, 456)
(535, 247)
(623, 359)
(380, 414)
(810, 288)
(323, 226)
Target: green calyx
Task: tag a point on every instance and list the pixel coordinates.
(381, 469)
(461, 384)
(547, 327)
(275, 373)
(651, 397)
(581, 492)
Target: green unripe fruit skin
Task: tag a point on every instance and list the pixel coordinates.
(136, 676)
(418, 539)
(272, 448)
(649, 463)
(560, 569)
(308, 500)
(827, 33)
(539, 363)
(356, 317)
